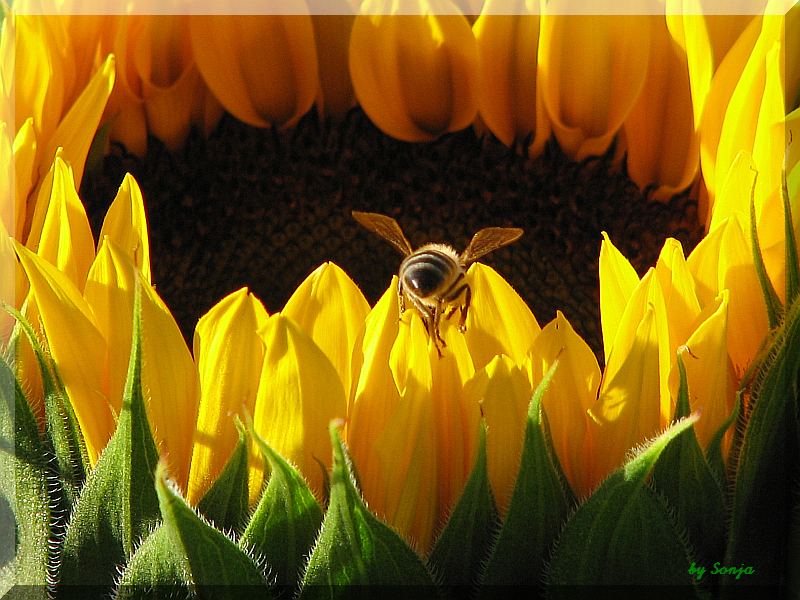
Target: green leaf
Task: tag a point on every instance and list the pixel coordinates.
(118, 505)
(714, 456)
(624, 533)
(464, 543)
(61, 423)
(792, 267)
(186, 552)
(537, 510)
(685, 479)
(225, 504)
(286, 521)
(354, 548)
(773, 303)
(25, 515)
(767, 459)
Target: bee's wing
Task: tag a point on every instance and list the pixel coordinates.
(386, 227)
(487, 240)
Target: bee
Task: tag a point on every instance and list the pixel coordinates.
(433, 277)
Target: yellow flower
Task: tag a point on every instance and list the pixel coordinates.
(415, 75)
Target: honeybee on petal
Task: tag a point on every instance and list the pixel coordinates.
(433, 277)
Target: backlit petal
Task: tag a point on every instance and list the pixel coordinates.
(680, 297)
(263, 69)
(590, 87)
(507, 92)
(415, 75)
(332, 34)
(229, 354)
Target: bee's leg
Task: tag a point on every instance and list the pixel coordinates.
(401, 299)
(437, 317)
(462, 324)
(450, 312)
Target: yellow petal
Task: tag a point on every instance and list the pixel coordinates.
(125, 224)
(455, 419)
(77, 346)
(8, 284)
(680, 297)
(67, 240)
(722, 260)
(76, 130)
(229, 355)
(415, 75)
(634, 400)
(331, 310)
(171, 383)
(499, 321)
(709, 372)
(590, 87)
(618, 279)
(376, 396)
(503, 392)
(298, 395)
(792, 68)
(507, 93)
(723, 84)
(663, 148)
(332, 34)
(571, 394)
(263, 69)
(25, 149)
(706, 39)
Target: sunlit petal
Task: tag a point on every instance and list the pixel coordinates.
(331, 310)
(66, 240)
(680, 297)
(502, 391)
(618, 279)
(77, 346)
(571, 394)
(298, 395)
(229, 354)
(126, 225)
(499, 321)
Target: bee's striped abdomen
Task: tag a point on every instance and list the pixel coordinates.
(429, 272)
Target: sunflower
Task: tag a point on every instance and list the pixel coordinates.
(210, 377)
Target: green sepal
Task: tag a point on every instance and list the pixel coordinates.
(767, 459)
(118, 505)
(354, 547)
(685, 479)
(624, 533)
(464, 543)
(187, 554)
(25, 516)
(225, 503)
(771, 300)
(714, 456)
(792, 266)
(61, 422)
(537, 510)
(286, 521)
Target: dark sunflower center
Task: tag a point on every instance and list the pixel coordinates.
(260, 208)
